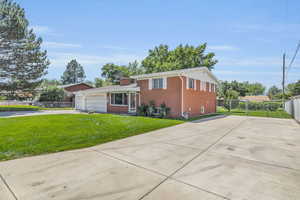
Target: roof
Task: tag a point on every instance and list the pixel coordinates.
(74, 84)
(255, 98)
(111, 88)
(181, 72)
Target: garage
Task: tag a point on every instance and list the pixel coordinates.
(96, 103)
(79, 103)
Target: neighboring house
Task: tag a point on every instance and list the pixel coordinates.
(188, 92)
(70, 90)
(255, 98)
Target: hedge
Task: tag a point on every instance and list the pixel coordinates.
(19, 108)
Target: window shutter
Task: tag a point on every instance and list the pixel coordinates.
(165, 83)
(195, 84)
(150, 83)
(187, 83)
(204, 85)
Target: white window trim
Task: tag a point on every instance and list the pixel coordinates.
(150, 83)
(165, 82)
(121, 105)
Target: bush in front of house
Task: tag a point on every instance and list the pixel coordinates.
(269, 106)
(52, 94)
(151, 110)
(19, 108)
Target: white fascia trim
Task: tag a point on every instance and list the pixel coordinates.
(169, 73)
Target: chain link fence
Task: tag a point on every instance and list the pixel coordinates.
(252, 108)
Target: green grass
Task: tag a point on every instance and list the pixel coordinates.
(33, 135)
(19, 108)
(203, 116)
(65, 108)
(255, 113)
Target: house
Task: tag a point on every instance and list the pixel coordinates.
(70, 90)
(187, 92)
(255, 98)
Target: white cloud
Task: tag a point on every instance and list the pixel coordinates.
(222, 48)
(61, 59)
(43, 30)
(114, 47)
(60, 45)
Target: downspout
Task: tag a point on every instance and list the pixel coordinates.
(181, 95)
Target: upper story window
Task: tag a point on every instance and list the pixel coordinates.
(119, 99)
(157, 83)
(191, 83)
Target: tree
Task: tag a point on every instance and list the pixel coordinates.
(23, 63)
(113, 73)
(274, 92)
(74, 73)
(52, 94)
(255, 89)
(134, 68)
(162, 59)
(294, 88)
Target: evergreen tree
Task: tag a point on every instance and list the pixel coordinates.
(74, 73)
(22, 63)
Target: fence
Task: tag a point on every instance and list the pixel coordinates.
(247, 106)
(45, 104)
(13, 103)
(293, 107)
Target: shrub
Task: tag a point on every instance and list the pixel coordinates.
(19, 108)
(164, 110)
(151, 110)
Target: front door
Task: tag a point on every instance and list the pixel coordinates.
(132, 102)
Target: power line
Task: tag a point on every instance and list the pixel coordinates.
(294, 57)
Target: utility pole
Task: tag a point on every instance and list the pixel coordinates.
(283, 78)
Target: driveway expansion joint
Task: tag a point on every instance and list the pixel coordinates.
(8, 187)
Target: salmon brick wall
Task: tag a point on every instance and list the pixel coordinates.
(195, 98)
(171, 96)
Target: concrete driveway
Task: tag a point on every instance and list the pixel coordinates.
(238, 158)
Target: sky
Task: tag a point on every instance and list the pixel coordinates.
(248, 37)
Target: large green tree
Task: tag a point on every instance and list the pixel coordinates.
(22, 63)
(74, 73)
(294, 88)
(161, 58)
(243, 88)
(274, 93)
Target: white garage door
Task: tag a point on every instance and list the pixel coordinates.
(79, 103)
(96, 103)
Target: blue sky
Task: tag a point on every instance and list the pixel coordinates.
(248, 36)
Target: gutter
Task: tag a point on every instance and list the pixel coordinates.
(181, 95)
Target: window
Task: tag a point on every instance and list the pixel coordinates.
(203, 85)
(202, 110)
(119, 99)
(157, 83)
(191, 83)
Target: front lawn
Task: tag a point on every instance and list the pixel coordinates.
(33, 135)
(255, 113)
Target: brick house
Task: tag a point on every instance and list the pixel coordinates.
(188, 92)
(70, 90)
